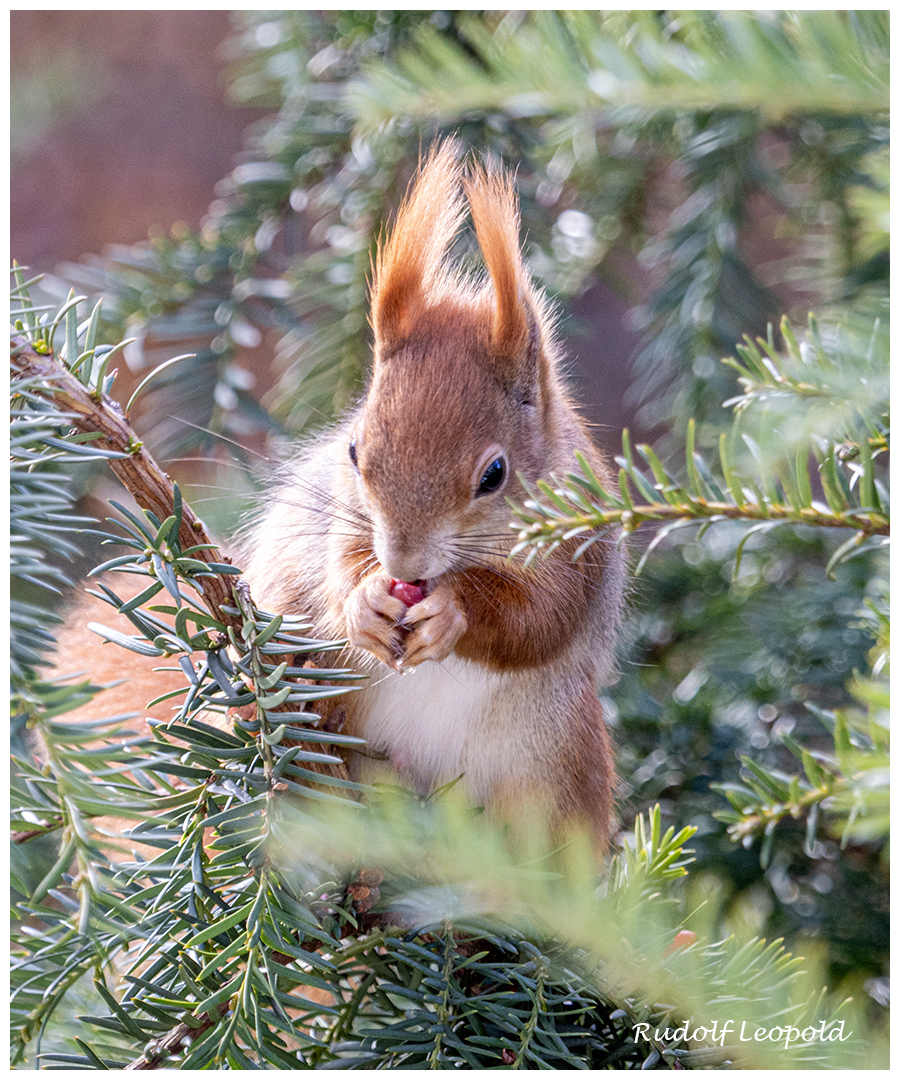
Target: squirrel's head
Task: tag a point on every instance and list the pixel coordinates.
(464, 392)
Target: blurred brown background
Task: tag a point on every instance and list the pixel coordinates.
(119, 123)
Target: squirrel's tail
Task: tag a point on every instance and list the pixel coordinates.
(130, 680)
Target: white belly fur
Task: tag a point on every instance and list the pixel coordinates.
(436, 722)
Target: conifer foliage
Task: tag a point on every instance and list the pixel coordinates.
(216, 894)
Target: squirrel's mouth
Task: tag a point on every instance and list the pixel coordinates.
(410, 592)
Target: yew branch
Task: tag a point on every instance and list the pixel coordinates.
(91, 412)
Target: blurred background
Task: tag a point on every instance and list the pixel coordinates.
(686, 178)
(136, 122)
(119, 123)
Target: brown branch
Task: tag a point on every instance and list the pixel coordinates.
(362, 893)
(178, 1039)
(868, 523)
(22, 837)
(91, 412)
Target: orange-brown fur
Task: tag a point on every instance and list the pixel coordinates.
(507, 659)
(460, 367)
(132, 680)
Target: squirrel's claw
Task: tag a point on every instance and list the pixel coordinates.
(373, 619)
(435, 626)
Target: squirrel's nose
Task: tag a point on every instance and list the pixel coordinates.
(408, 563)
(406, 569)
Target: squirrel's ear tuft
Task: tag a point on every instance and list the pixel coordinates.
(515, 331)
(409, 264)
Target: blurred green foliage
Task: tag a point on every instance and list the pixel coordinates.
(655, 136)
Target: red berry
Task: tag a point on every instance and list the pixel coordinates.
(681, 939)
(410, 592)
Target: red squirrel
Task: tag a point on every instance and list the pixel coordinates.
(392, 530)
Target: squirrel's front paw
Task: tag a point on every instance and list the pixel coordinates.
(436, 624)
(373, 617)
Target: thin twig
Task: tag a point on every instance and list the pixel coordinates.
(178, 1039)
(867, 522)
(91, 412)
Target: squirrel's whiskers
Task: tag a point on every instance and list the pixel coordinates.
(391, 530)
(466, 399)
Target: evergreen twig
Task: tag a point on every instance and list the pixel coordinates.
(92, 413)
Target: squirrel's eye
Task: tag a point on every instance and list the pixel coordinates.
(353, 453)
(493, 478)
